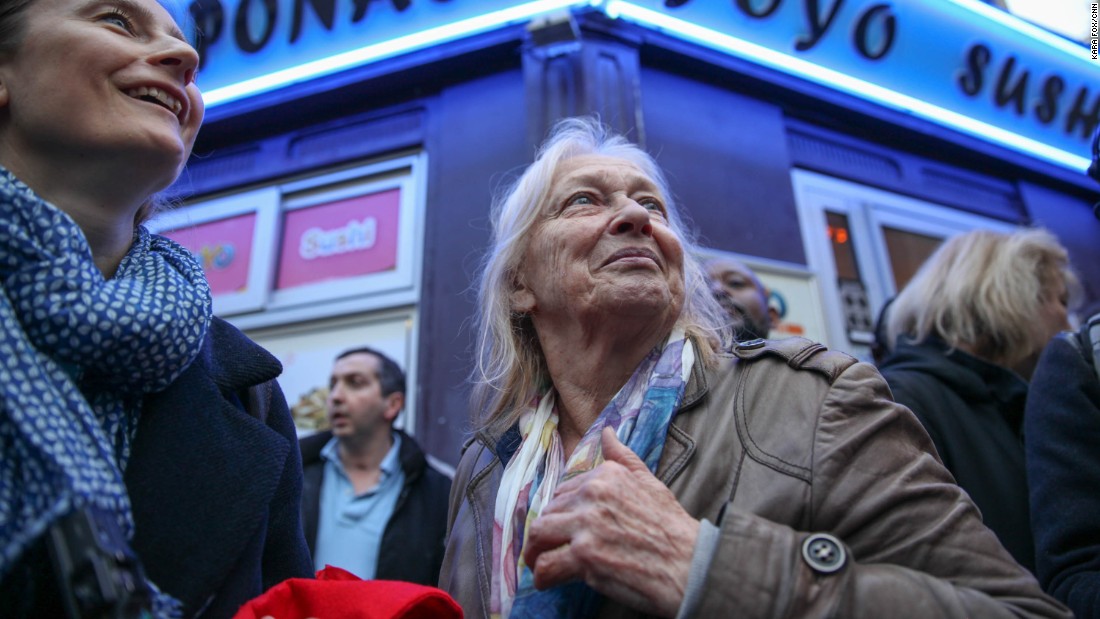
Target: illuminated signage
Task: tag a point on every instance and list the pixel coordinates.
(958, 63)
(225, 248)
(341, 239)
(353, 236)
(253, 46)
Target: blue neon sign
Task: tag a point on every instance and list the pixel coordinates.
(253, 46)
(959, 63)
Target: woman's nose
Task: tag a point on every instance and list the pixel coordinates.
(631, 217)
(180, 57)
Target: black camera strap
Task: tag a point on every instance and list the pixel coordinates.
(98, 575)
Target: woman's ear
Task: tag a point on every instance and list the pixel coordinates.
(6, 58)
(523, 300)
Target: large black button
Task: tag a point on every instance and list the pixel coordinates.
(824, 553)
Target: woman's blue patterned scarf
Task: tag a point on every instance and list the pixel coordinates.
(77, 355)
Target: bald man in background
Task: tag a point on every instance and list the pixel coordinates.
(746, 299)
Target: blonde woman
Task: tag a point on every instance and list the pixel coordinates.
(967, 331)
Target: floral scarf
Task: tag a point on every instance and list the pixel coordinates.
(640, 414)
(77, 355)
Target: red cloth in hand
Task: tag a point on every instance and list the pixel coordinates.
(339, 594)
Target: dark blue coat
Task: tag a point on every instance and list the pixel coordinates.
(216, 491)
(1062, 430)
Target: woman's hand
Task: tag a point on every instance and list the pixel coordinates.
(620, 530)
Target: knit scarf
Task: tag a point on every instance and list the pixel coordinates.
(640, 414)
(77, 355)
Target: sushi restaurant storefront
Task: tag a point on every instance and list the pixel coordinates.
(339, 192)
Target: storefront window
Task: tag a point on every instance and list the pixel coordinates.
(864, 245)
(858, 317)
(907, 250)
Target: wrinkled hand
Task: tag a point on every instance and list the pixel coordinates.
(619, 529)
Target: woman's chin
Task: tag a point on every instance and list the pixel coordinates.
(655, 303)
(164, 161)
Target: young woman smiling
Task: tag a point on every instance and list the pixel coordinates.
(126, 409)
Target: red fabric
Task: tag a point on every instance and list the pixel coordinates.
(339, 594)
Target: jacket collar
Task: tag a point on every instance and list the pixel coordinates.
(679, 443)
(697, 385)
(409, 455)
(969, 376)
(203, 470)
(238, 363)
(412, 459)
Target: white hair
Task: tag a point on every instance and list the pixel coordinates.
(510, 367)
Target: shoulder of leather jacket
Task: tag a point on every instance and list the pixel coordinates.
(470, 440)
(799, 353)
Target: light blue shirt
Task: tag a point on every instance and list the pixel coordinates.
(349, 527)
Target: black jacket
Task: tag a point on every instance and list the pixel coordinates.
(412, 543)
(1063, 466)
(974, 412)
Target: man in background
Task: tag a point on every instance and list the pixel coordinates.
(739, 291)
(372, 504)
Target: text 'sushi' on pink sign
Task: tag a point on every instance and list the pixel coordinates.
(336, 240)
(225, 248)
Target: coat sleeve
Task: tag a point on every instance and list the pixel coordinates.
(916, 391)
(1062, 432)
(915, 545)
(285, 552)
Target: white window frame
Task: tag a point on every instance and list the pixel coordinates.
(399, 286)
(405, 319)
(263, 202)
(260, 305)
(868, 210)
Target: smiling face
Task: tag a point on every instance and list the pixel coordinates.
(100, 80)
(603, 249)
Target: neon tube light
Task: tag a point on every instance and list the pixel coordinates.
(1024, 27)
(387, 49)
(618, 9)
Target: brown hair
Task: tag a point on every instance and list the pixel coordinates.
(12, 23)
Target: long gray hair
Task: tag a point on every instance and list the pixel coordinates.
(510, 367)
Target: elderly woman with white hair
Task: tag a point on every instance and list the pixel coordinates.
(624, 465)
(967, 331)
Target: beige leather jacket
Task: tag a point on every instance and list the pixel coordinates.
(781, 441)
